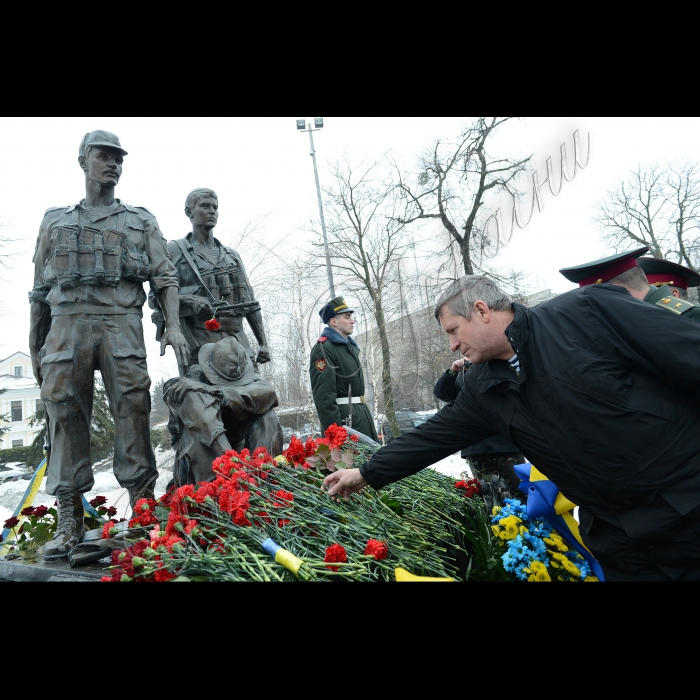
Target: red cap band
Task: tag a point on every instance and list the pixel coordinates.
(609, 273)
(677, 281)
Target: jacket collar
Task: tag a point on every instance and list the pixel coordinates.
(190, 238)
(338, 339)
(498, 372)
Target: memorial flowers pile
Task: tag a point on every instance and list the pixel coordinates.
(534, 551)
(266, 519)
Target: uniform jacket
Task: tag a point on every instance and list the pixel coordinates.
(447, 390)
(335, 368)
(607, 405)
(227, 281)
(664, 299)
(96, 261)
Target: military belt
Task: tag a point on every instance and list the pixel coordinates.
(346, 402)
(93, 310)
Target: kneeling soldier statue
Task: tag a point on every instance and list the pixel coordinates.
(91, 262)
(337, 380)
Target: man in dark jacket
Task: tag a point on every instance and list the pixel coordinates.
(495, 457)
(586, 387)
(662, 273)
(337, 380)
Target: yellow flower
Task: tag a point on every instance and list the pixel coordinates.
(591, 579)
(281, 461)
(496, 531)
(497, 511)
(523, 530)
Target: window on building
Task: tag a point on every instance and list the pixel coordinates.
(17, 412)
(19, 371)
(17, 443)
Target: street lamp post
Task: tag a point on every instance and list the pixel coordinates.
(301, 126)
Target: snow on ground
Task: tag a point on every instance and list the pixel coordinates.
(105, 485)
(454, 467)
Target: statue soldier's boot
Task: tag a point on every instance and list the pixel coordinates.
(71, 527)
(135, 495)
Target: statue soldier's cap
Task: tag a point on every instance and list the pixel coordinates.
(336, 307)
(661, 272)
(602, 271)
(227, 362)
(102, 138)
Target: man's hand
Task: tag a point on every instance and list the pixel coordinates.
(185, 386)
(200, 307)
(344, 484)
(458, 366)
(177, 341)
(264, 355)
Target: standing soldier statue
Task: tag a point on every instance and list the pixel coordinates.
(215, 293)
(337, 380)
(91, 262)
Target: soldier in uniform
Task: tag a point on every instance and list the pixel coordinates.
(677, 278)
(626, 271)
(337, 380)
(91, 262)
(215, 293)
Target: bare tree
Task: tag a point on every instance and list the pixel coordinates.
(367, 238)
(453, 179)
(659, 207)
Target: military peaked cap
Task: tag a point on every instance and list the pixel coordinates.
(660, 272)
(604, 270)
(336, 307)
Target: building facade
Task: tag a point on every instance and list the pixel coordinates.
(20, 401)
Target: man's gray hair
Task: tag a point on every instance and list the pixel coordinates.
(196, 195)
(460, 297)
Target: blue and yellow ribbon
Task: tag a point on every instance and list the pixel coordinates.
(547, 502)
(403, 576)
(283, 557)
(9, 536)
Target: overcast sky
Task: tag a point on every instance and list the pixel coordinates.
(261, 165)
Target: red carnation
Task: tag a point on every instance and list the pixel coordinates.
(41, 512)
(111, 512)
(354, 438)
(107, 528)
(335, 555)
(337, 436)
(11, 523)
(212, 325)
(296, 454)
(98, 502)
(27, 512)
(163, 576)
(472, 488)
(378, 550)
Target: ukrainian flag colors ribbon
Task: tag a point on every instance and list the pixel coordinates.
(403, 576)
(9, 536)
(546, 501)
(283, 557)
(26, 502)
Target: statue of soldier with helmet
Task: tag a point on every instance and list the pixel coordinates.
(91, 262)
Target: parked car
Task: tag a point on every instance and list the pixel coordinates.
(408, 421)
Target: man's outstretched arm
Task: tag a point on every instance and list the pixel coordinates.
(453, 429)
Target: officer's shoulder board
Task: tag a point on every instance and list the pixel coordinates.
(678, 306)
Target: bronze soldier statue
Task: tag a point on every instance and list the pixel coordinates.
(214, 287)
(91, 262)
(221, 404)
